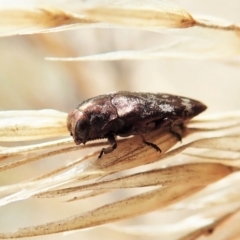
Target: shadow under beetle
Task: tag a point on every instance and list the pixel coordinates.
(130, 113)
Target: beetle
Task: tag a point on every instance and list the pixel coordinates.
(130, 113)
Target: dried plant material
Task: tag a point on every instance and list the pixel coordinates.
(216, 23)
(129, 154)
(231, 143)
(178, 182)
(218, 117)
(141, 14)
(228, 222)
(201, 224)
(29, 21)
(183, 175)
(197, 37)
(209, 223)
(208, 230)
(144, 13)
(10, 151)
(31, 125)
(199, 177)
(120, 210)
(200, 44)
(25, 190)
(36, 157)
(89, 195)
(133, 145)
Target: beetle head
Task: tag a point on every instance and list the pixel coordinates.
(78, 126)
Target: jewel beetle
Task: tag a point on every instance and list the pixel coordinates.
(130, 113)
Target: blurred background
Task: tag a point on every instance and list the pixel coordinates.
(28, 81)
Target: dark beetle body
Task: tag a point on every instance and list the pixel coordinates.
(130, 113)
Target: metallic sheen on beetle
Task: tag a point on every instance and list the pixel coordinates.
(130, 113)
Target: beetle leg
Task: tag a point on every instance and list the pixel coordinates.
(177, 131)
(112, 142)
(150, 144)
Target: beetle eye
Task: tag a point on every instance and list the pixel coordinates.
(81, 130)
